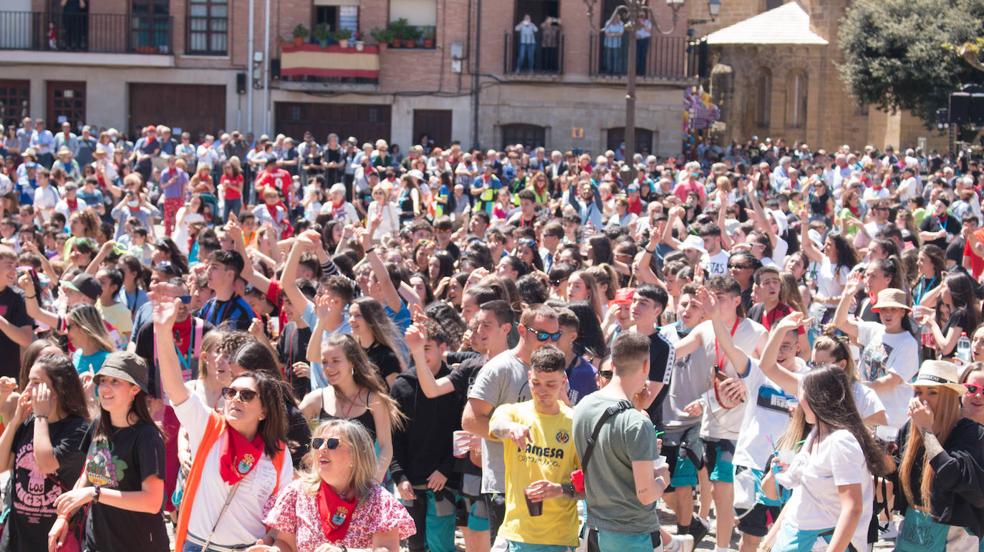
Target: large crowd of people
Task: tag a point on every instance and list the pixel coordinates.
(277, 345)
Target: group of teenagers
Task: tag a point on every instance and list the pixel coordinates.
(783, 343)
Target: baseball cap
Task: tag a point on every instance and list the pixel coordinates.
(126, 366)
(86, 284)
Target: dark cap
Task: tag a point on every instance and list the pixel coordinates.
(86, 284)
(126, 366)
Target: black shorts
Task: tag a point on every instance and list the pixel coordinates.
(758, 521)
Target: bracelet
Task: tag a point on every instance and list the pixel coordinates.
(370, 250)
(568, 489)
(31, 297)
(45, 417)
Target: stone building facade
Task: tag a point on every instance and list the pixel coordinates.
(775, 74)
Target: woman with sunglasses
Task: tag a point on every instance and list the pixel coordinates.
(939, 464)
(42, 447)
(337, 504)
(245, 444)
(355, 392)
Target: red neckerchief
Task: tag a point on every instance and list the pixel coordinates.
(73, 204)
(272, 209)
(238, 456)
(182, 335)
(334, 513)
(719, 362)
(771, 317)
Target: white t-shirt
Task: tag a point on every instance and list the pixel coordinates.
(242, 521)
(715, 265)
(718, 422)
(866, 400)
(814, 476)
(765, 419)
(884, 353)
(829, 282)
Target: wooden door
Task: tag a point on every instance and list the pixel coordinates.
(66, 102)
(367, 123)
(435, 123)
(15, 101)
(196, 108)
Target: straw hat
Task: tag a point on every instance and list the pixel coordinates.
(939, 373)
(890, 298)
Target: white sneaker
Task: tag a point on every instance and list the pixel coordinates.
(680, 543)
(890, 532)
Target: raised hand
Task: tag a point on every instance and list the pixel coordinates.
(323, 306)
(165, 311)
(854, 283)
(416, 337)
(42, 400)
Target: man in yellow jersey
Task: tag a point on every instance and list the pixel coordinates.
(541, 512)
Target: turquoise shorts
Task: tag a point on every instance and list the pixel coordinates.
(799, 540)
(478, 514)
(718, 455)
(610, 541)
(685, 474)
(527, 547)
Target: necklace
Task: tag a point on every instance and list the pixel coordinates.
(351, 403)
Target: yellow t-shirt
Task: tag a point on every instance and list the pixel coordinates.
(549, 455)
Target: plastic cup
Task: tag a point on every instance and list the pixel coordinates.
(535, 508)
(461, 443)
(786, 457)
(887, 433)
(275, 326)
(659, 462)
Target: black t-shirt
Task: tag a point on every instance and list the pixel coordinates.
(933, 223)
(384, 359)
(291, 349)
(462, 379)
(661, 357)
(958, 320)
(123, 462)
(31, 493)
(13, 309)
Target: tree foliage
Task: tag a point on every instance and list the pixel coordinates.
(895, 54)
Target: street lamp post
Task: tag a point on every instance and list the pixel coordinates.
(632, 11)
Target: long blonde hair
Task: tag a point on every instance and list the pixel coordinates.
(88, 319)
(363, 457)
(946, 416)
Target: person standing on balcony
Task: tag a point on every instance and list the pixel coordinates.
(644, 32)
(73, 15)
(527, 43)
(614, 30)
(549, 42)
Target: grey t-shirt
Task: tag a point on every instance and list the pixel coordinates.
(610, 487)
(503, 380)
(690, 378)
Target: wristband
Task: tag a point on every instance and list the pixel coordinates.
(95, 496)
(370, 250)
(30, 297)
(45, 418)
(568, 489)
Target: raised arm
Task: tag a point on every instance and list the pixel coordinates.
(97, 261)
(841, 319)
(809, 249)
(785, 379)
(288, 279)
(165, 312)
(33, 305)
(722, 218)
(389, 295)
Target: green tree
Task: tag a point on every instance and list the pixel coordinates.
(895, 54)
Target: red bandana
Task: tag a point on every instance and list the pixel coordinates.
(73, 204)
(334, 512)
(237, 456)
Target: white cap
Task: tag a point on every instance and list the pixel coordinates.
(693, 242)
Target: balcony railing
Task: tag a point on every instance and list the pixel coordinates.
(104, 33)
(329, 64)
(545, 57)
(658, 57)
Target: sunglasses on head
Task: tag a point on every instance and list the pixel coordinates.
(245, 395)
(331, 442)
(974, 390)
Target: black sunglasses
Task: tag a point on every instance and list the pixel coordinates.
(607, 374)
(245, 395)
(331, 442)
(556, 283)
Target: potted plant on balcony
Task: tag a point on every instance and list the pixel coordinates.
(343, 36)
(411, 36)
(428, 39)
(322, 35)
(382, 37)
(300, 34)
